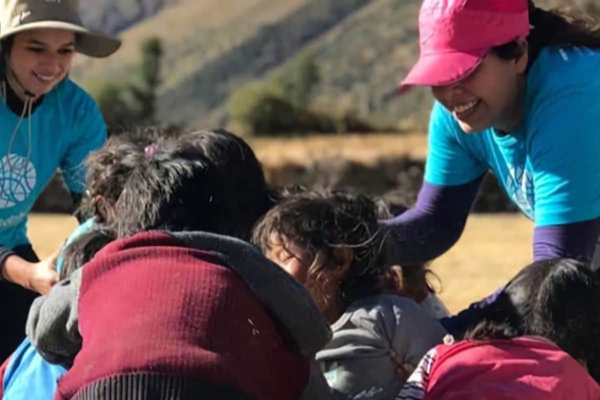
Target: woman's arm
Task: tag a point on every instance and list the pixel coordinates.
(577, 240)
(22, 267)
(433, 225)
(564, 144)
(453, 175)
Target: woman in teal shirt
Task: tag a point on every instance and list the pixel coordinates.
(517, 92)
(46, 122)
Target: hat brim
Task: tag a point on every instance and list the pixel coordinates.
(442, 69)
(88, 43)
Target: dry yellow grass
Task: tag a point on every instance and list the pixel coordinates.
(492, 249)
(360, 148)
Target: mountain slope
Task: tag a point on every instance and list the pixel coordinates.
(211, 48)
(365, 56)
(363, 47)
(114, 16)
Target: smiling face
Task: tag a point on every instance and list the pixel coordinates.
(41, 58)
(488, 97)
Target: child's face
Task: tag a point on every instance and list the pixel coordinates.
(291, 258)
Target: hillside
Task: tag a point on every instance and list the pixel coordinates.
(211, 48)
(114, 16)
(363, 47)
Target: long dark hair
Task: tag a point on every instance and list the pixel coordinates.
(555, 27)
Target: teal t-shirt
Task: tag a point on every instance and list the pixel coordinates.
(65, 127)
(550, 166)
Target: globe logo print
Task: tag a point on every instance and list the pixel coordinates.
(17, 180)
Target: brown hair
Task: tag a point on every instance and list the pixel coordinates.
(329, 226)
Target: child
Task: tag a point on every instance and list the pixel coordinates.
(174, 305)
(331, 243)
(414, 277)
(536, 342)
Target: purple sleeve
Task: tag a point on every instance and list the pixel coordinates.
(434, 224)
(577, 240)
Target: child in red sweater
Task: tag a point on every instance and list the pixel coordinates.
(174, 305)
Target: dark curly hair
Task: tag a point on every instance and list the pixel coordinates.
(329, 225)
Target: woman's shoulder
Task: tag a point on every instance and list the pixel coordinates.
(560, 69)
(70, 93)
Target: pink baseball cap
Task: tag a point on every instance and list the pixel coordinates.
(456, 35)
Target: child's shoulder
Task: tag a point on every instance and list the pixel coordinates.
(386, 302)
(377, 310)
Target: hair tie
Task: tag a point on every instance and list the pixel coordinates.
(150, 150)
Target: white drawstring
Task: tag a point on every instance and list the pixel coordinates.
(27, 107)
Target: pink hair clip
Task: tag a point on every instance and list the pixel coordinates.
(150, 150)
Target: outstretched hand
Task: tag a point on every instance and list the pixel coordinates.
(43, 274)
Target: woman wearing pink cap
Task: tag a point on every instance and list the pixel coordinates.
(517, 92)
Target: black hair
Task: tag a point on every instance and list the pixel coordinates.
(201, 181)
(552, 28)
(556, 299)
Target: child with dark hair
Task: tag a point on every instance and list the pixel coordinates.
(195, 311)
(415, 282)
(537, 341)
(331, 243)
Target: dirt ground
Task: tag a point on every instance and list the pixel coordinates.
(492, 249)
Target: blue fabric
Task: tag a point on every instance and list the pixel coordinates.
(27, 375)
(550, 166)
(83, 228)
(64, 129)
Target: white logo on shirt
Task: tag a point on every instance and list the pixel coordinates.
(519, 185)
(17, 180)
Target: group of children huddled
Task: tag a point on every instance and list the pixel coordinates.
(193, 280)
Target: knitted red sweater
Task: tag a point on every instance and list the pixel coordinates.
(158, 317)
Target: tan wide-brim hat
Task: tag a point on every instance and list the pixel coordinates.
(23, 15)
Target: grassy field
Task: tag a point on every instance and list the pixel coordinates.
(355, 147)
(492, 249)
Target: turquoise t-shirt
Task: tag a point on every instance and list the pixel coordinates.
(64, 129)
(550, 166)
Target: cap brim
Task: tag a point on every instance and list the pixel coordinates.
(442, 69)
(88, 43)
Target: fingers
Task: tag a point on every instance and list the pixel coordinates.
(404, 370)
(396, 358)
